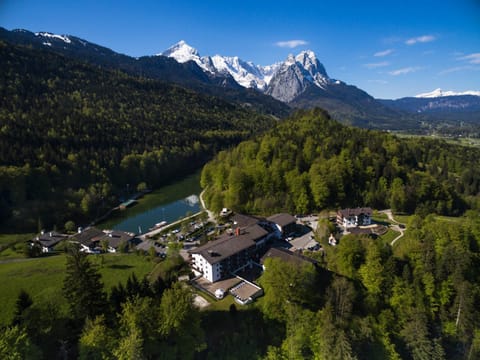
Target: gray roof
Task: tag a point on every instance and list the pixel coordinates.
(228, 245)
(49, 239)
(86, 236)
(286, 255)
(355, 212)
(282, 219)
(114, 238)
(244, 221)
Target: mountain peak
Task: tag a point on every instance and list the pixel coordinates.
(440, 93)
(290, 60)
(181, 51)
(309, 62)
(307, 54)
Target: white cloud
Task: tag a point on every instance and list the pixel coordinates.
(377, 81)
(291, 43)
(404, 71)
(459, 68)
(376, 65)
(383, 53)
(420, 39)
(472, 58)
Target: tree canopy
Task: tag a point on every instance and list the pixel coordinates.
(73, 135)
(311, 162)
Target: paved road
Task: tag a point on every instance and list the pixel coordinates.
(211, 216)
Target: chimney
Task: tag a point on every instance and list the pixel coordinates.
(237, 231)
(51, 234)
(42, 232)
(79, 230)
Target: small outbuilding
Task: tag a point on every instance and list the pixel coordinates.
(285, 223)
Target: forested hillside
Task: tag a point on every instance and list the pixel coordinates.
(188, 74)
(311, 163)
(73, 135)
(381, 305)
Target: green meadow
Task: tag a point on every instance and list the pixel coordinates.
(43, 278)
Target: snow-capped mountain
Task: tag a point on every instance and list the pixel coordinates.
(247, 74)
(299, 81)
(296, 74)
(182, 52)
(301, 70)
(440, 93)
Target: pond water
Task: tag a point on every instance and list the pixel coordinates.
(168, 203)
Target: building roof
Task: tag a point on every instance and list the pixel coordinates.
(355, 212)
(282, 219)
(228, 245)
(114, 237)
(87, 235)
(49, 239)
(303, 242)
(244, 221)
(286, 255)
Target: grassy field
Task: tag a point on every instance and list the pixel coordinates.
(11, 245)
(388, 237)
(43, 278)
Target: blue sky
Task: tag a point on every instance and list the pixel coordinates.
(388, 48)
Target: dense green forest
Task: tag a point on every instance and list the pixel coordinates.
(72, 135)
(421, 304)
(311, 162)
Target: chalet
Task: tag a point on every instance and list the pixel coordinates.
(285, 223)
(115, 239)
(48, 240)
(85, 238)
(348, 218)
(91, 240)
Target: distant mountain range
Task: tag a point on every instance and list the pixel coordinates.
(300, 81)
(187, 74)
(440, 93)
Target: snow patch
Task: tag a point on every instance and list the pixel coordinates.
(64, 38)
(439, 93)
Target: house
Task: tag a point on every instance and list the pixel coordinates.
(92, 240)
(85, 238)
(285, 223)
(115, 239)
(47, 240)
(348, 218)
(231, 251)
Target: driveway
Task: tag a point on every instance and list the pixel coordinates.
(394, 226)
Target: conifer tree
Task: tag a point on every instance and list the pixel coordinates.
(83, 287)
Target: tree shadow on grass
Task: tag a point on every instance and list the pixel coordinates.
(120, 266)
